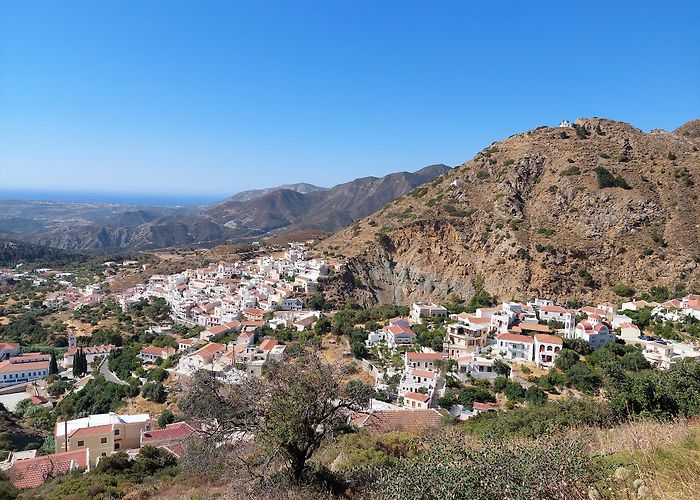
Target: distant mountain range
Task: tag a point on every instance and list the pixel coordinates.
(246, 216)
(300, 187)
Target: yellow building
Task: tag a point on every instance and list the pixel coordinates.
(102, 434)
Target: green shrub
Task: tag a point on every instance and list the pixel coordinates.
(607, 180)
(154, 391)
(570, 171)
(419, 192)
(581, 131)
(450, 467)
(508, 162)
(623, 290)
(482, 175)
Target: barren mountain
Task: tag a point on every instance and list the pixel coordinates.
(565, 213)
(112, 227)
(300, 187)
(325, 210)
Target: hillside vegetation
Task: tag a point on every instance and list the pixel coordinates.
(566, 213)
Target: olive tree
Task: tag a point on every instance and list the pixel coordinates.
(281, 417)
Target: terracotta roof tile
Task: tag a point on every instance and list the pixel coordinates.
(412, 421)
(33, 472)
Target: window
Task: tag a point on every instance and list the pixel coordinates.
(103, 440)
(116, 446)
(116, 432)
(81, 443)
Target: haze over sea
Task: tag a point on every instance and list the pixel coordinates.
(151, 199)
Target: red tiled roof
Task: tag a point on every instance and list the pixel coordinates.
(531, 327)
(33, 472)
(423, 373)
(423, 398)
(397, 330)
(424, 356)
(548, 339)
(585, 325)
(218, 329)
(413, 421)
(8, 366)
(173, 433)
(629, 325)
(157, 351)
(511, 337)
(176, 449)
(96, 430)
(556, 309)
(268, 344)
(210, 349)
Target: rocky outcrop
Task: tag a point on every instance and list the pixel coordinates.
(562, 212)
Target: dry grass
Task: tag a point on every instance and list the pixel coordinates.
(332, 353)
(666, 456)
(643, 436)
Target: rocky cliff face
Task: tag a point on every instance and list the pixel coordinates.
(565, 213)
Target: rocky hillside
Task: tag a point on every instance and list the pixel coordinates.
(20, 252)
(565, 213)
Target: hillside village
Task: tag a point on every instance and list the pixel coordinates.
(234, 319)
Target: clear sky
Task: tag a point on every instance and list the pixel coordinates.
(208, 98)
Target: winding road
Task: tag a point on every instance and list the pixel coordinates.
(108, 375)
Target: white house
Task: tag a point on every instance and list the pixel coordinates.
(397, 335)
(9, 349)
(636, 305)
(292, 304)
(595, 332)
(423, 360)
(515, 347)
(415, 379)
(152, 353)
(476, 366)
(556, 313)
(427, 310)
(24, 368)
(660, 355)
(547, 348)
(629, 331)
(416, 401)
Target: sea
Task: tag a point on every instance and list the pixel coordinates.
(148, 199)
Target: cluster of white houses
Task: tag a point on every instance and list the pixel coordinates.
(222, 293)
(520, 333)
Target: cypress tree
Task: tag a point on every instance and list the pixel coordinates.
(83, 363)
(53, 366)
(76, 363)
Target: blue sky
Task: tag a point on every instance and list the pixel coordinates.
(208, 98)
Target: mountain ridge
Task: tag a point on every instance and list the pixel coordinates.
(299, 187)
(114, 228)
